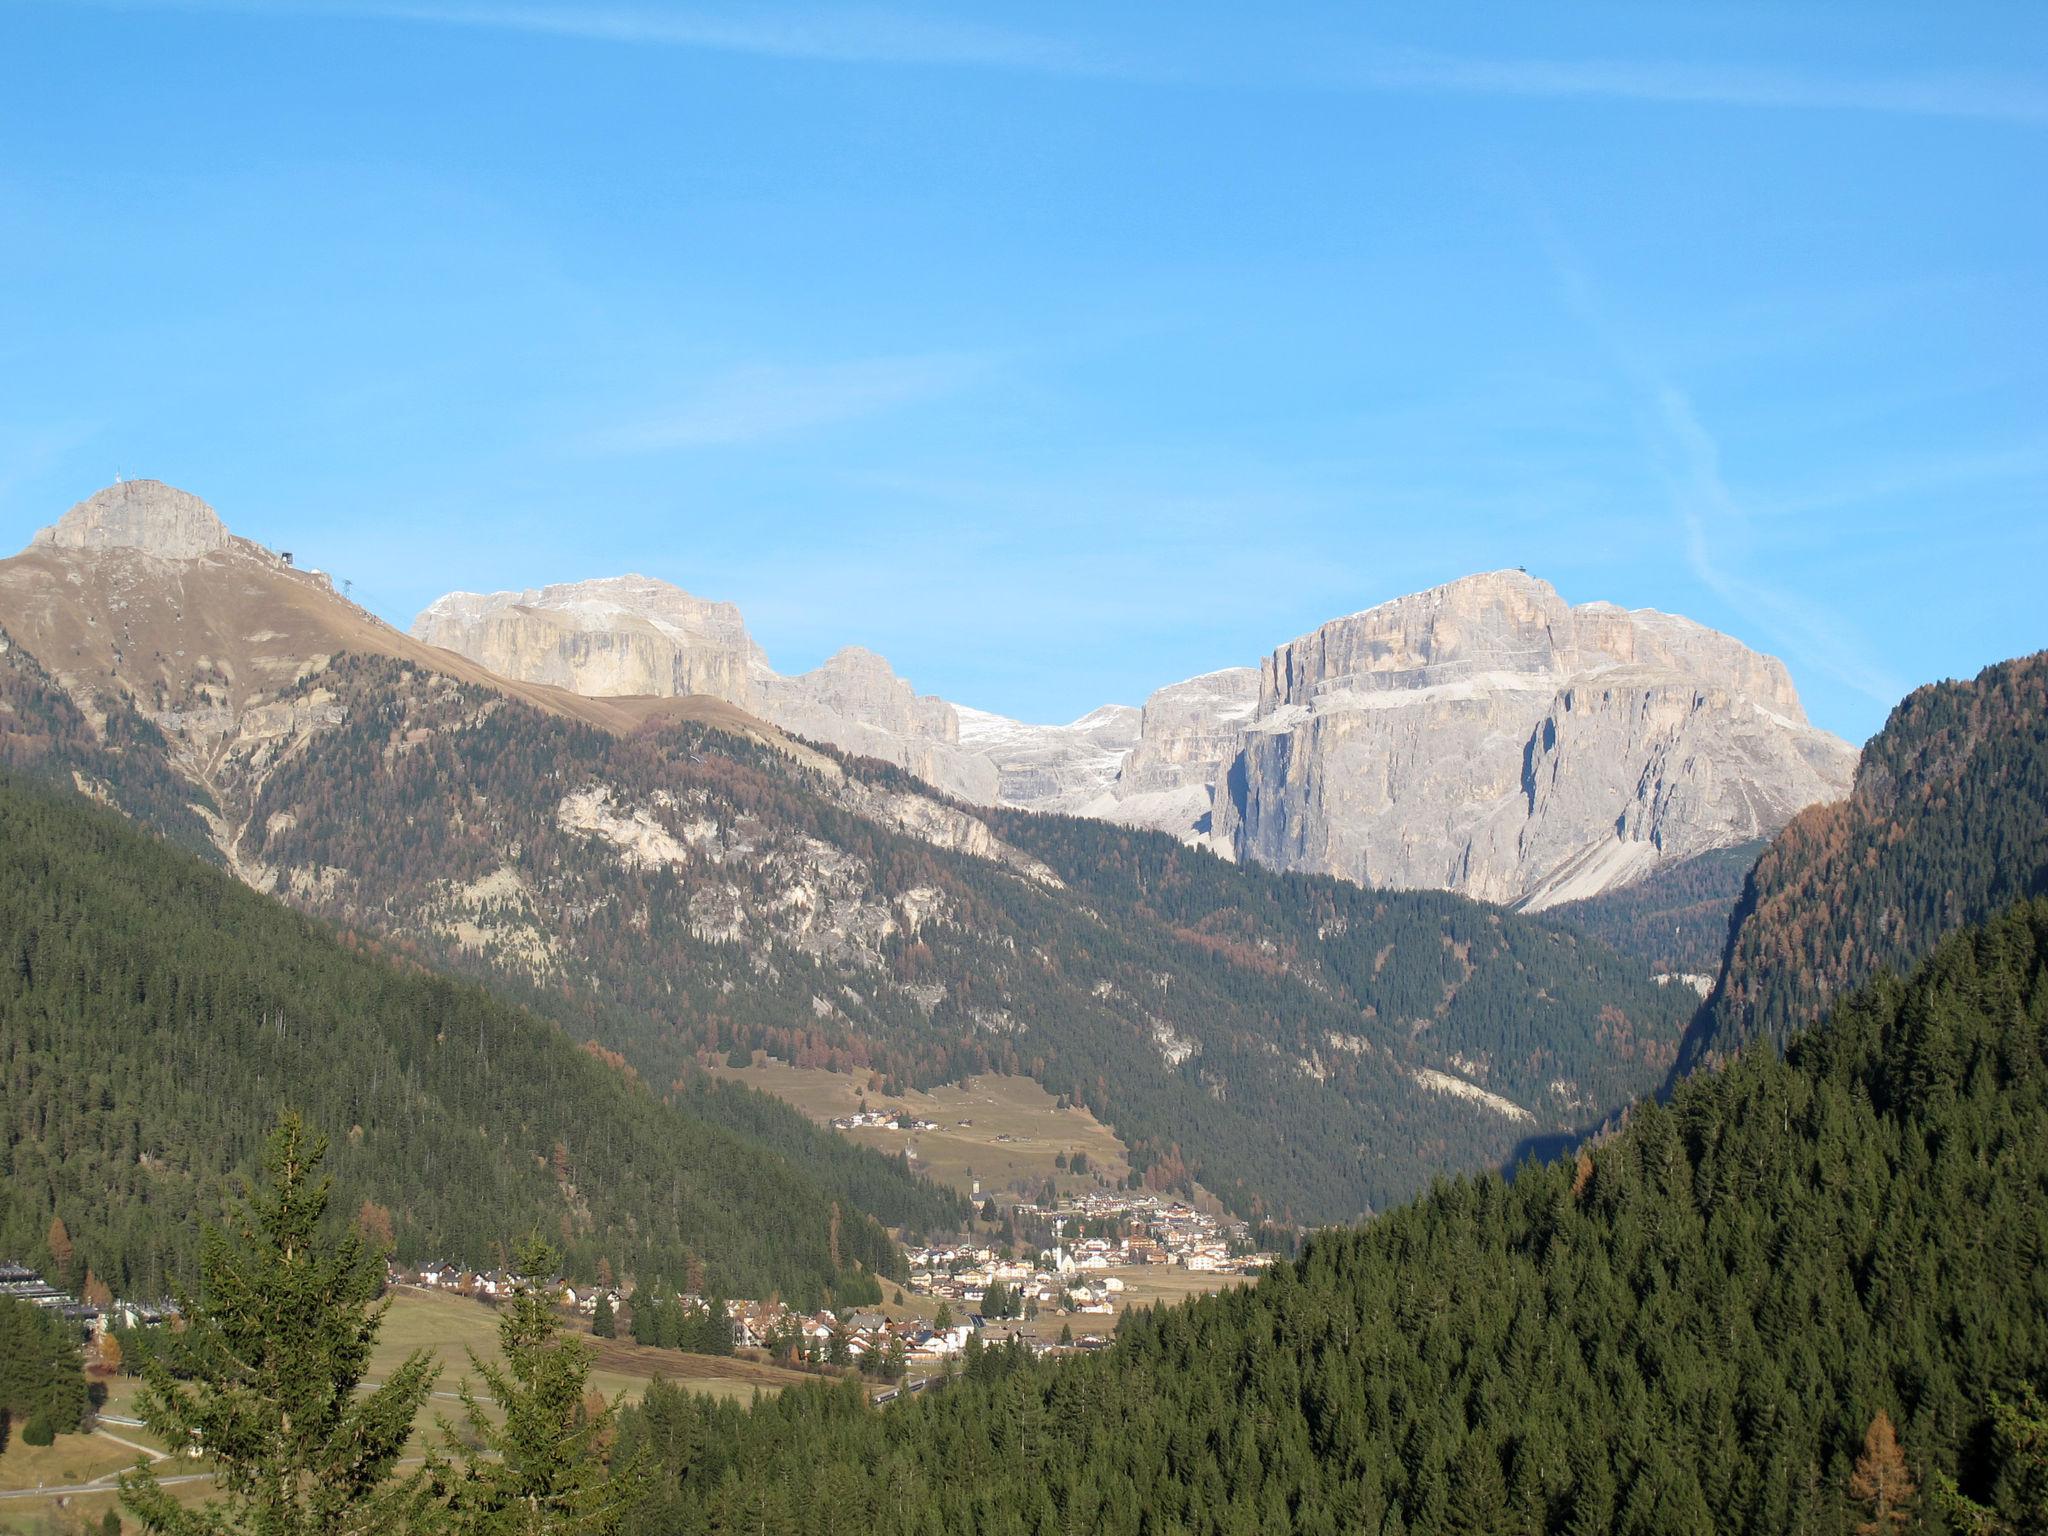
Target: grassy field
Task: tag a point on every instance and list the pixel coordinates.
(71, 1460)
(448, 1327)
(445, 1326)
(1003, 1131)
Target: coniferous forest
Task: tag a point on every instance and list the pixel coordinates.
(1947, 824)
(1803, 1284)
(155, 1015)
(1256, 1033)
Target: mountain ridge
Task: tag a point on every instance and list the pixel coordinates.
(1638, 737)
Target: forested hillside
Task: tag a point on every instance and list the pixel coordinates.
(1710, 1323)
(1455, 974)
(1948, 823)
(155, 1015)
(1307, 1050)
(1674, 920)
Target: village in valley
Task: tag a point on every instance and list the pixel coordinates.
(1045, 1264)
(973, 1290)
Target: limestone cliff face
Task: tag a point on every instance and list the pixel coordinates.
(857, 702)
(1189, 734)
(635, 636)
(1485, 737)
(144, 515)
(626, 636)
(1066, 768)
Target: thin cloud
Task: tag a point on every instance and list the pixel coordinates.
(879, 36)
(1710, 516)
(851, 36)
(1999, 99)
(1707, 509)
(767, 403)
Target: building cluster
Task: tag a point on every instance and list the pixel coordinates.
(493, 1284)
(865, 1337)
(883, 1120)
(1074, 1274)
(22, 1283)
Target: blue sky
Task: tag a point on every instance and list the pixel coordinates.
(1057, 352)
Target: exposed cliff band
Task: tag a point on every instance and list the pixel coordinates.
(1483, 737)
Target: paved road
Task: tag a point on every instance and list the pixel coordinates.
(105, 1483)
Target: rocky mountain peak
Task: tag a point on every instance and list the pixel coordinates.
(144, 515)
(1483, 736)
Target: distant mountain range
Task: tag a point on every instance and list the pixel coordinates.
(677, 878)
(1482, 737)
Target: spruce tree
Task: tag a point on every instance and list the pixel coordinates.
(537, 1468)
(265, 1377)
(604, 1322)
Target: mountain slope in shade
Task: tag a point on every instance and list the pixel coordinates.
(1948, 822)
(1674, 919)
(156, 1014)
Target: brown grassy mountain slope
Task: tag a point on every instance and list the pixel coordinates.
(141, 593)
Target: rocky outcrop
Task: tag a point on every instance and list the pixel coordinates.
(1487, 738)
(625, 636)
(633, 636)
(855, 701)
(1484, 737)
(144, 515)
(1190, 733)
(1066, 768)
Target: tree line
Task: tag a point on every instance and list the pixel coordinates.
(155, 1013)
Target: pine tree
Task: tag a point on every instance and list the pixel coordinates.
(537, 1468)
(268, 1368)
(1880, 1481)
(604, 1324)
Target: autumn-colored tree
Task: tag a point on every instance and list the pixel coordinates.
(374, 1222)
(109, 1352)
(59, 1244)
(94, 1292)
(1880, 1481)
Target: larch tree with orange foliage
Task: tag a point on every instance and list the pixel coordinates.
(1881, 1481)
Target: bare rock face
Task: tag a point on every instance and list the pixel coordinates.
(1487, 738)
(1066, 768)
(857, 702)
(144, 515)
(1484, 737)
(639, 637)
(1190, 733)
(625, 636)
(1155, 768)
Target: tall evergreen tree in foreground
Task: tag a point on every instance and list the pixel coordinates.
(536, 1468)
(265, 1377)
